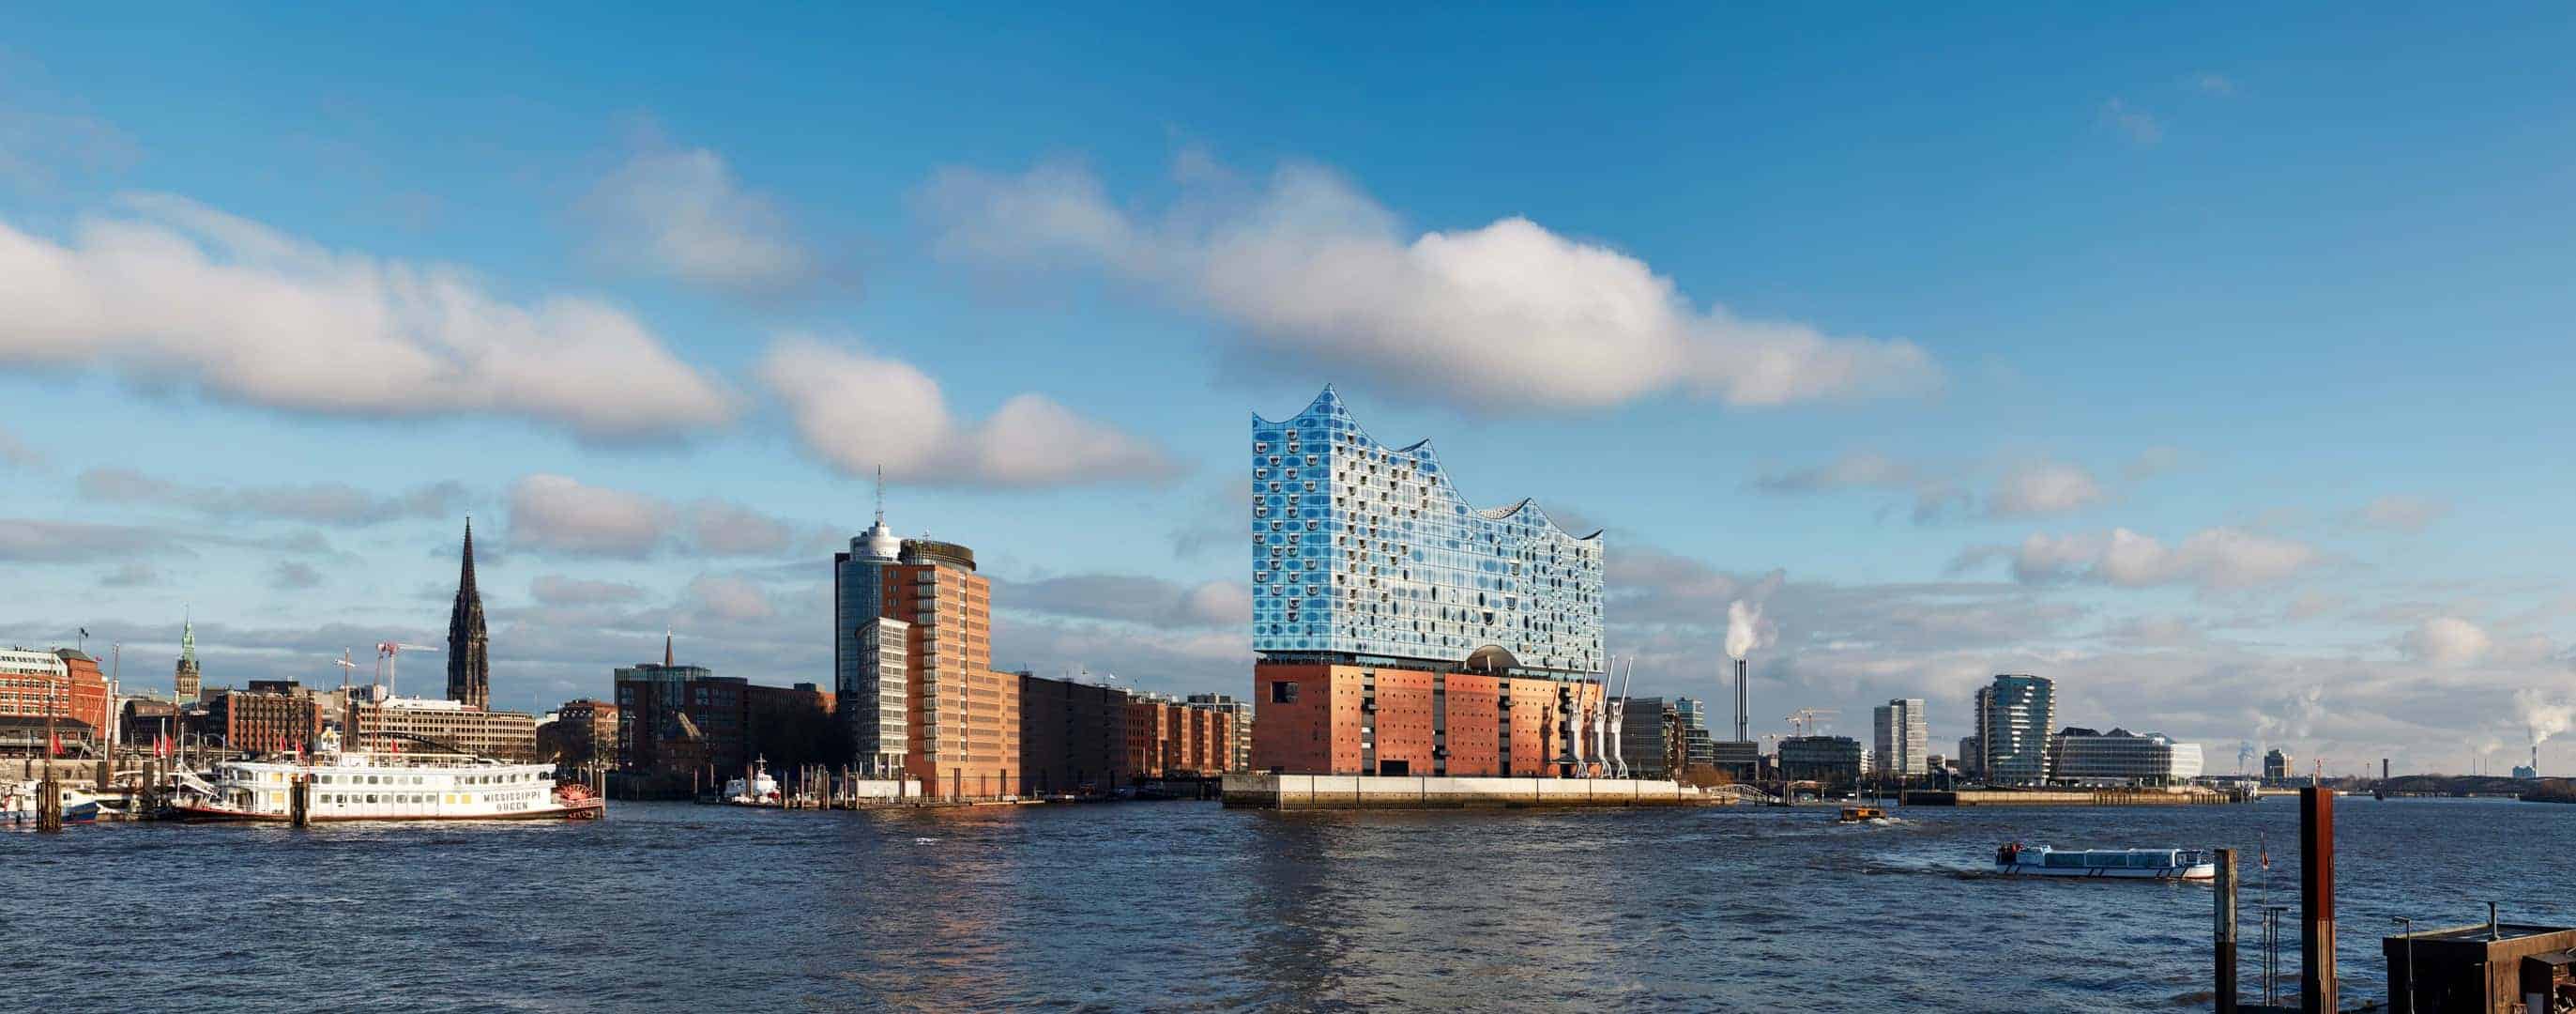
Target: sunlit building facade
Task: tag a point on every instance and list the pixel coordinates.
(1400, 630)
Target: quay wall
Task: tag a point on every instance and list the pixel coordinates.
(1390, 792)
(2068, 797)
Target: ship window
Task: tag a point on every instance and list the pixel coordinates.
(371, 797)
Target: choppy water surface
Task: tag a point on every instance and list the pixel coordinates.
(1187, 906)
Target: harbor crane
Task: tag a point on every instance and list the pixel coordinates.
(1803, 720)
(387, 652)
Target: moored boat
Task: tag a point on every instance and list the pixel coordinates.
(1861, 814)
(354, 785)
(2016, 859)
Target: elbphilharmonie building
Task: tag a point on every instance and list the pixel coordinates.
(1401, 629)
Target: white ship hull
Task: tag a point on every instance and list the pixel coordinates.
(357, 787)
(2106, 864)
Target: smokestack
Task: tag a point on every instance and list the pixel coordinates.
(1739, 700)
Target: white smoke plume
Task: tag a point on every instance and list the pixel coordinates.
(2541, 716)
(1745, 630)
(2291, 718)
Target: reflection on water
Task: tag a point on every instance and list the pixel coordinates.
(1186, 906)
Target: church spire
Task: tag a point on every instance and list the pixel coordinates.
(666, 647)
(469, 667)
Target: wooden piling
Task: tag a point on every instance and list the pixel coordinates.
(2316, 901)
(49, 802)
(299, 801)
(2223, 932)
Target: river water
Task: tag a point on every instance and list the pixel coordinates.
(1189, 906)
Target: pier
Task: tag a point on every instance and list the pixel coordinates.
(1413, 792)
(2075, 797)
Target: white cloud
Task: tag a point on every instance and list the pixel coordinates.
(680, 214)
(2136, 124)
(558, 513)
(2212, 83)
(2030, 489)
(858, 411)
(293, 576)
(322, 502)
(565, 515)
(2403, 513)
(15, 452)
(2216, 559)
(2152, 462)
(1145, 601)
(2446, 641)
(176, 290)
(1316, 275)
(557, 590)
(731, 599)
(2043, 488)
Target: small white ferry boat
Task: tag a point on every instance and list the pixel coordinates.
(758, 790)
(2017, 859)
(368, 785)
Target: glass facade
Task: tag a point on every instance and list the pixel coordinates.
(1364, 551)
(2013, 718)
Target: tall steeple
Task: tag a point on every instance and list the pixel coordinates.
(469, 668)
(666, 647)
(185, 679)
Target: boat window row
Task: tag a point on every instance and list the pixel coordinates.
(2110, 860)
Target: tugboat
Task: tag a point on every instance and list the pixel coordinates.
(2015, 859)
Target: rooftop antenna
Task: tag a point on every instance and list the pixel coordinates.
(880, 496)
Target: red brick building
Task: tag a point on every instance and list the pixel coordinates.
(61, 682)
(273, 716)
(1325, 718)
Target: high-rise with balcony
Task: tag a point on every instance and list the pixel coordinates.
(1400, 630)
(1904, 738)
(2014, 715)
(912, 655)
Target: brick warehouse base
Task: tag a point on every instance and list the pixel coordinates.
(1396, 792)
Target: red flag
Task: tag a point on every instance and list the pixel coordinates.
(161, 745)
(53, 745)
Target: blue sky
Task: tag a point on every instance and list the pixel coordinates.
(2211, 366)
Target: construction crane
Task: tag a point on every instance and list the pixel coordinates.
(1803, 720)
(386, 654)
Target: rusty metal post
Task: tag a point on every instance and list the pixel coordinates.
(2316, 900)
(2224, 932)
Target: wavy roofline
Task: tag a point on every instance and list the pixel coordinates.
(1423, 448)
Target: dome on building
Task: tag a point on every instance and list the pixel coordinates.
(878, 544)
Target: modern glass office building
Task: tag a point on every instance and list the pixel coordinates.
(2079, 756)
(2013, 718)
(1363, 552)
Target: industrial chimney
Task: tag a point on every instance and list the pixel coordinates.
(1739, 701)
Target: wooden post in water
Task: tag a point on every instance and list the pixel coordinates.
(49, 802)
(299, 801)
(2316, 900)
(2224, 931)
